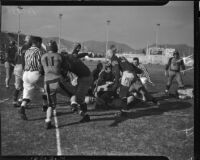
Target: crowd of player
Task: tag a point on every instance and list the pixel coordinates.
(68, 75)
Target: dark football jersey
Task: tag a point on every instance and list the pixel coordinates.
(76, 66)
(105, 77)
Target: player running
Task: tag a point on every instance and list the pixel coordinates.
(52, 64)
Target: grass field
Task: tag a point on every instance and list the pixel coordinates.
(146, 130)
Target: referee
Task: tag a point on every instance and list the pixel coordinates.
(32, 73)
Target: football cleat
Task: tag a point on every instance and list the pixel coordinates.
(85, 118)
(22, 113)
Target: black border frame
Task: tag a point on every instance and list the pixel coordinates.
(124, 3)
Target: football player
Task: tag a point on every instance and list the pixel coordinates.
(172, 70)
(52, 64)
(103, 93)
(144, 76)
(84, 81)
(10, 55)
(128, 77)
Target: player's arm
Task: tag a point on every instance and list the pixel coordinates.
(137, 70)
(168, 64)
(146, 73)
(81, 55)
(23, 60)
(37, 60)
(182, 65)
(42, 72)
(116, 73)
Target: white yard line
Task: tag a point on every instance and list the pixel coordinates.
(59, 151)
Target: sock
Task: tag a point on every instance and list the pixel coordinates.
(16, 93)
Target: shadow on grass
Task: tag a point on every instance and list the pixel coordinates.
(164, 107)
(62, 113)
(36, 119)
(57, 114)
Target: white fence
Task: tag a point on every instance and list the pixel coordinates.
(145, 59)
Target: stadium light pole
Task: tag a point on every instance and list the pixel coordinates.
(19, 25)
(157, 27)
(60, 18)
(107, 30)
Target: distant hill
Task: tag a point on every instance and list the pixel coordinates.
(100, 47)
(94, 46)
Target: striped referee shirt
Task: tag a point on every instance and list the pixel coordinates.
(33, 59)
(145, 72)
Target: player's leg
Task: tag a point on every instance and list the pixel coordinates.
(83, 85)
(169, 81)
(29, 81)
(7, 67)
(11, 72)
(103, 99)
(67, 89)
(179, 80)
(126, 82)
(50, 90)
(18, 89)
(18, 84)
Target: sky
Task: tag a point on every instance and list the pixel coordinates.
(132, 25)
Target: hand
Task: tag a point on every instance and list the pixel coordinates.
(183, 73)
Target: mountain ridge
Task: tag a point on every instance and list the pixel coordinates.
(98, 47)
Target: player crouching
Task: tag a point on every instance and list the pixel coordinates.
(104, 95)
